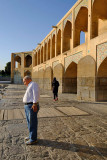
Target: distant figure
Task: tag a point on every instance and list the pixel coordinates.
(55, 85)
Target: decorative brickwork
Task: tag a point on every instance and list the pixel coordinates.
(73, 58)
(101, 53)
(55, 63)
(40, 68)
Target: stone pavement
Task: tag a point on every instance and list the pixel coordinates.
(67, 129)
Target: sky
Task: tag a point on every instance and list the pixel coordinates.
(25, 23)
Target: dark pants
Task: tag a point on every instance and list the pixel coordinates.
(55, 95)
(32, 122)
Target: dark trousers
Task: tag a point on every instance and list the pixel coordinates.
(55, 95)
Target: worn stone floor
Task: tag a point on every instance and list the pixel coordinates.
(67, 129)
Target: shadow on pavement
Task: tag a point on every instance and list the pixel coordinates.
(93, 150)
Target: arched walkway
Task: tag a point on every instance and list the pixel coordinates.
(17, 62)
(28, 61)
(58, 43)
(45, 51)
(99, 17)
(48, 50)
(81, 24)
(53, 46)
(67, 36)
(70, 79)
(101, 85)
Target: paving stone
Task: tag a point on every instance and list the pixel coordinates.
(67, 129)
(71, 111)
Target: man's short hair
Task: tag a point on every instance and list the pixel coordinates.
(27, 77)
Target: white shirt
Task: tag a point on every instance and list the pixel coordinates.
(32, 93)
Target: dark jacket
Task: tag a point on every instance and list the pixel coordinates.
(55, 85)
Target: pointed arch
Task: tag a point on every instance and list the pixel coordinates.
(53, 46)
(81, 24)
(17, 61)
(67, 36)
(38, 56)
(58, 43)
(36, 59)
(101, 85)
(70, 79)
(45, 51)
(42, 54)
(27, 73)
(99, 18)
(28, 61)
(48, 49)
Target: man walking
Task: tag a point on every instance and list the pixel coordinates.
(31, 101)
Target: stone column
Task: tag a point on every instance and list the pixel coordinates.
(33, 58)
(22, 65)
(47, 50)
(12, 67)
(51, 47)
(73, 28)
(40, 54)
(89, 25)
(61, 38)
(43, 51)
(37, 57)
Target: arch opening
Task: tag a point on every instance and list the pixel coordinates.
(99, 18)
(27, 73)
(17, 62)
(82, 37)
(53, 46)
(28, 61)
(39, 57)
(48, 50)
(101, 85)
(67, 36)
(81, 25)
(70, 79)
(42, 54)
(36, 59)
(59, 43)
(45, 51)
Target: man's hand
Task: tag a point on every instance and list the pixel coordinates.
(34, 107)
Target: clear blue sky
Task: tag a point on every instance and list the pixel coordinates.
(24, 23)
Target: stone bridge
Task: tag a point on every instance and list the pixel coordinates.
(79, 67)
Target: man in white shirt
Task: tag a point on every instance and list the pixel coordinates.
(31, 101)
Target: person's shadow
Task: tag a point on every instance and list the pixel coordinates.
(93, 150)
